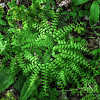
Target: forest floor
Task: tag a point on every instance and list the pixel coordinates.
(93, 41)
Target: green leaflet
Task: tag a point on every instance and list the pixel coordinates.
(2, 22)
(12, 4)
(29, 87)
(48, 7)
(19, 82)
(2, 47)
(1, 10)
(78, 2)
(94, 12)
(37, 51)
(41, 1)
(7, 78)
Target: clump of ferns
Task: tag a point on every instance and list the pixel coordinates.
(70, 60)
(61, 60)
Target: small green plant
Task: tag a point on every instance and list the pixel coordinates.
(9, 96)
(93, 14)
(2, 45)
(80, 30)
(2, 22)
(53, 95)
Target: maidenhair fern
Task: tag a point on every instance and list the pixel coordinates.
(57, 58)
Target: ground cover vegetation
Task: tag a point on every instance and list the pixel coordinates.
(41, 58)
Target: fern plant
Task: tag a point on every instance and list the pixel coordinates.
(57, 59)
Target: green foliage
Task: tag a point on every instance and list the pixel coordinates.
(98, 98)
(2, 45)
(9, 96)
(57, 59)
(2, 22)
(53, 95)
(76, 13)
(8, 79)
(89, 97)
(79, 29)
(48, 3)
(78, 2)
(94, 12)
(29, 87)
